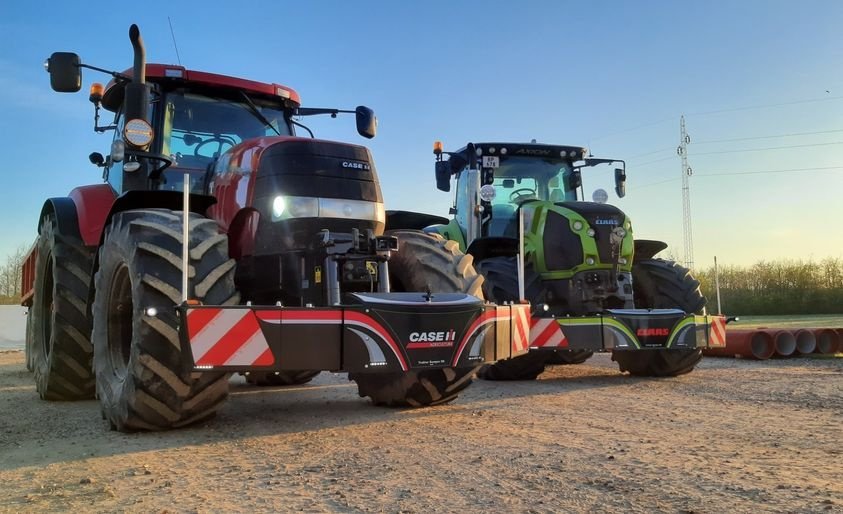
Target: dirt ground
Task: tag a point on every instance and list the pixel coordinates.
(733, 436)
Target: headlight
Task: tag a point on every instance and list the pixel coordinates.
(578, 225)
(287, 207)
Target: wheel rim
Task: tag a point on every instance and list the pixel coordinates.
(47, 306)
(119, 321)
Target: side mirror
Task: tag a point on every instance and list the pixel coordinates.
(574, 180)
(65, 73)
(367, 122)
(620, 182)
(443, 175)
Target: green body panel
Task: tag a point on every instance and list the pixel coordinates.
(535, 216)
(450, 231)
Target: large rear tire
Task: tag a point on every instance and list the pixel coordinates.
(660, 284)
(281, 378)
(60, 331)
(142, 383)
(424, 261)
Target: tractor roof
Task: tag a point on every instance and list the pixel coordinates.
(171, 73)
(574, 153)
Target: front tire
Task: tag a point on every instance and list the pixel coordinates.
(142, 383)
(281, 378)
(501, 285)
(660, 284)
(424, 262)
(59, 340)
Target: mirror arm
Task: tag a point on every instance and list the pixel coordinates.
(97, 128)
(118, 76)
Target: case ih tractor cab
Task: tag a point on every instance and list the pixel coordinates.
(592, 287)
(222, 243)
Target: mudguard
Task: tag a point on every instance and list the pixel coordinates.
(371, 332)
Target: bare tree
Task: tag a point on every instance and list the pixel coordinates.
(10, 276)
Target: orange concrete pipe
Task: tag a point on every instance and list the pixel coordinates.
(828, 341)
(784, 341)
(751, 343)
(806, 341)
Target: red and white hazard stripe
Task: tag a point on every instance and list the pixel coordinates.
(520, 328)
(227, 337)
(546, 333)
(717, 333)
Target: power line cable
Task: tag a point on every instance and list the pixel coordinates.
(768, 148)
(767, 137)
(765, 106)
(733, 173)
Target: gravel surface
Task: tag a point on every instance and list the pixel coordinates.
(733, 436)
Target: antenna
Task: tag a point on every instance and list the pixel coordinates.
(682, 150)
(173, 34)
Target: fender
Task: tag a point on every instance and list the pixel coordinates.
(408, 220)
(647, 249)
(486, 247)
(140, 199)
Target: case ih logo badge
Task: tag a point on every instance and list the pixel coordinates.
(650, 332)
(355, 165)
(433, 339)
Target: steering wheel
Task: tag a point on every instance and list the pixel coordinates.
(220, 141)
(522, 195)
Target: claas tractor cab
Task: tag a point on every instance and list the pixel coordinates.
(222, 242)
(593, 287)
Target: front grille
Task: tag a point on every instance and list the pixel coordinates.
(562, 247)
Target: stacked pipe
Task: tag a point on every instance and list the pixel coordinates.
(763, 343)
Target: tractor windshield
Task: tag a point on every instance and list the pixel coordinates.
(518, 179)
(197, 129)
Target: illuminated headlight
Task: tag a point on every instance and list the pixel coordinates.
(590, 261)
(288, 207)
(578, 225)
(137, 132)
(503, 151)
(492, 150)
(279, 205)
(479, 151)
(620, 232)
(591, 232)
(622, 260)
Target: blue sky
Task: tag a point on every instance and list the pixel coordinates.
(613, 76)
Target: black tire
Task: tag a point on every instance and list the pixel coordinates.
(281, 378)
(424, 261)
(565, 357)
(28, 354)
(60, 338)
(501, 285)
(660, 284)
(141, 381)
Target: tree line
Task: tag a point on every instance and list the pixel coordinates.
(764, 288)
(777, 287)
(10, 277)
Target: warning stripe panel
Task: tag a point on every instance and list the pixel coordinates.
(227, 337)
(717, 334)
(546, 332)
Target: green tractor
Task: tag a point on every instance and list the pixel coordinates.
(520, 212)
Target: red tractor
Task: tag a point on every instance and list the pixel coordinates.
(220, 242)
